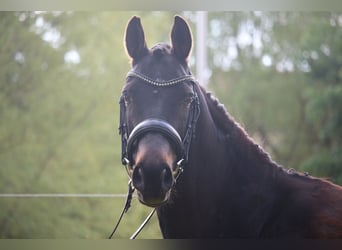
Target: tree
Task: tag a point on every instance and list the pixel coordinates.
(280, 74)
(61, 79)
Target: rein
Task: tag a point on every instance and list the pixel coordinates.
(125, 209)
(182, 145)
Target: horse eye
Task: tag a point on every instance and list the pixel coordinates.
(127, 99)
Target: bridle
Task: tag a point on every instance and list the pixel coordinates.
(181, 145)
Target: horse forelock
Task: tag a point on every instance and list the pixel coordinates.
(161, 64)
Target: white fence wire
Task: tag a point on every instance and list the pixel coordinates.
(63, 195)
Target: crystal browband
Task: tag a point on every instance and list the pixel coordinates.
(161, 83)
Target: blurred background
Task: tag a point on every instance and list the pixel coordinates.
(61, 73)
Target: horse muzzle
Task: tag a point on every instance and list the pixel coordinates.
(153, 148)
(153, 185)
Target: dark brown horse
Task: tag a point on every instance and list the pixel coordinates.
(189, 158)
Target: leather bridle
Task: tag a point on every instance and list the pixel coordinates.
(181, 145)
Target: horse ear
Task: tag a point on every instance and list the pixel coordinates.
(181, 38)
(135, 39)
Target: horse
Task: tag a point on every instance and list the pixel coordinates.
(190, 160)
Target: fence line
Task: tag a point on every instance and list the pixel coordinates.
(63, 195)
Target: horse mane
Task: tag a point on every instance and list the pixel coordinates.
(230, 128)
(233, 131)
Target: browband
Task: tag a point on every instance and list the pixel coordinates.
(160, 83)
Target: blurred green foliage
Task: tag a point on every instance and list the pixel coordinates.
(59, 120)
(61, 75)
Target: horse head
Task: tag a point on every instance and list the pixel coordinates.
(159, 110)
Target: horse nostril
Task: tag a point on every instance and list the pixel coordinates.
(138, 179)
(166, 179)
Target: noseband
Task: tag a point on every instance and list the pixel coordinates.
(180, 145)
(157, 126)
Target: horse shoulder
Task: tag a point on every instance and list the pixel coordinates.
(327, 220)
(317, 203)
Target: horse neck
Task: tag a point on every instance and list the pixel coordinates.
(225, 169)
(223, 151)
